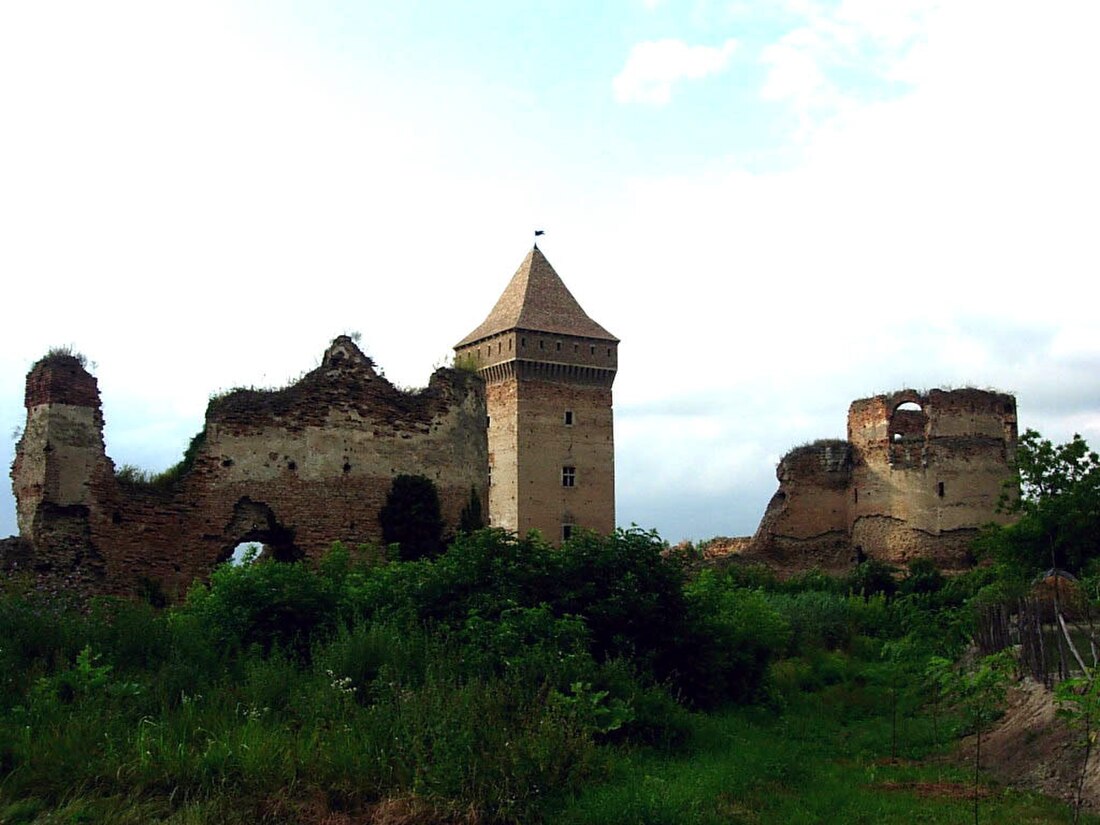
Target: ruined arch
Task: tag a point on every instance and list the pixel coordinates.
(907, 432)
(254, 521)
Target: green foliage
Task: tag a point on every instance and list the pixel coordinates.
(980, 694)
(64, 353)
(269, 604)
(465, 363)
(1078, 702)
(132, 476)
(591, 710)
(1058, 508)
(494, 681)
(470, 519)
(816, 619)
(924, 579)
(872, 578)
(733, 636)
(411, 518)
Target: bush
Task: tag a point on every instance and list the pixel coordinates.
(412, 519)
(733, 637)
(268, 604)
(817, 620)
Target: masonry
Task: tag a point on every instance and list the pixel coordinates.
(918, 476)
(549, 369)
(294, 469)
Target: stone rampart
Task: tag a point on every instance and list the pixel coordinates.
(293, 469)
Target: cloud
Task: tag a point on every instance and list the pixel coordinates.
(838, 56)
(653, 66)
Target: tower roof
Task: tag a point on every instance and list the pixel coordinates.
(537, 300)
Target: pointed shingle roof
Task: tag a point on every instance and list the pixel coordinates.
(537, 300)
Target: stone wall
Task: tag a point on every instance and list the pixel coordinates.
(294, 469)
(920, 474)
(806, 522)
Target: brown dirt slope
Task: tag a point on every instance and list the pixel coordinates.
(1030, 747)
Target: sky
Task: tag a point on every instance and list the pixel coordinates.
(778, 207)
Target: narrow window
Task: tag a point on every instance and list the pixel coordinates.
(591, 349)
(576, 348)
(523, 342)
(566, 532)
(609, 352)
(509, 345)
(568, 418)
(855, 495)
(939, 489)
(540, 343)
(568, 476)
(557, 346)
(486, 422)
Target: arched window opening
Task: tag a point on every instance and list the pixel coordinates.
(254, 525)
(907, 431)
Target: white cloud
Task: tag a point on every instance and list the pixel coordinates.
(653, 66)
(838, 56)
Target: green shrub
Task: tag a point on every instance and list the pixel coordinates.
(412, 519)
(816, 618)
(268, 604)
(733, 637)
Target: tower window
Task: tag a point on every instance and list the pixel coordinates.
(939, 489)
(591, 349)
(523, 342)
(568, 418)
(566, 532)
(557, 346)
(568, 476)
(576, 347)
(540, 343)
(609, 352)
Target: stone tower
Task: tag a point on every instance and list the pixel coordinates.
(548, 370)
(60, 469)
(928, 471)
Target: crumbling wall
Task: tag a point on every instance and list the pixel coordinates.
(806, 522)
(294, 469)
(929, 471)
(921, 474)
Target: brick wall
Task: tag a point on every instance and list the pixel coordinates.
(295, 469)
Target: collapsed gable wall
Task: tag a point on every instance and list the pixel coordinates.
(806, 522)
(294, 469)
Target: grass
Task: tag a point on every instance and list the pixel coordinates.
(825, 759)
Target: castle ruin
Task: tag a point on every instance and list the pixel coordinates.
(526, 425)
(294, 469)
(918, 476)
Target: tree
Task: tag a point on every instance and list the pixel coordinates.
(411, 518)
(980, 693)
(1079, 704)
(1058, 507)
(470, 520)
